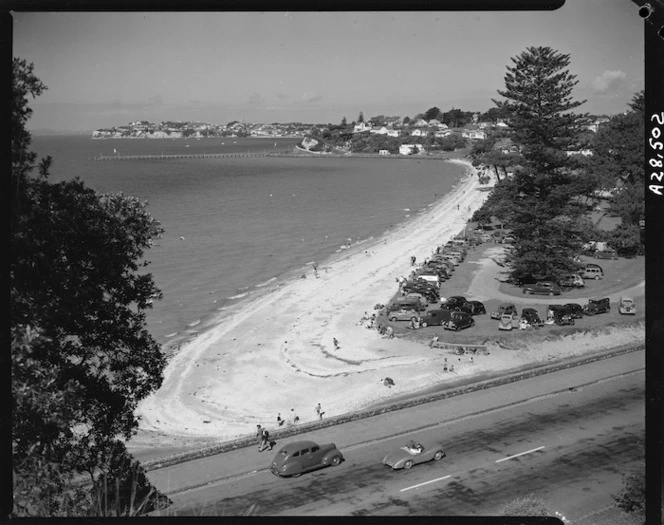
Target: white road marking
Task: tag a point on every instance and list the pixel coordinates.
(521, 454)
(425, 483)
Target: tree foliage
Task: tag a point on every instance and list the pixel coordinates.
(617, 164)
(528, 506)
(632, 497)
(540, 203)
(81, 356)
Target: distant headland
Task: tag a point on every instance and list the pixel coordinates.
(143, 129)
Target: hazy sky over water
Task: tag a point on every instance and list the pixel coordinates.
(105, 69)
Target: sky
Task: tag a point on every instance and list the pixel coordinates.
(105, 69)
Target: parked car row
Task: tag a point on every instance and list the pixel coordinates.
(560, 314)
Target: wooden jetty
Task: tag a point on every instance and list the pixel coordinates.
(181, 156)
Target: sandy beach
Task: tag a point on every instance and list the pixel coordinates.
(277, 353)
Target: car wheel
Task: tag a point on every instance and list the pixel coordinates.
(550, 293)
(408, 464)
(529, 292)
(438, 455)
(393, 319)
(336, 460)
(424, 324)
(597, 277)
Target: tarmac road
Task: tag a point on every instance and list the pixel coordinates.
(565, 436)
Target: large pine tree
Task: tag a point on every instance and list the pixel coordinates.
(540, 201)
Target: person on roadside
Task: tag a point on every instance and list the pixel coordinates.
(259, 436)
(319, 411)
(265, 441)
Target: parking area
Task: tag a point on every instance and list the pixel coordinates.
(620, 274)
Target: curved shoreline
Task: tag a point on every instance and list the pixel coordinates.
(281, 341)
(276, 353)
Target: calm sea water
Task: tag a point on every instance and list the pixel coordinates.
(236, 226)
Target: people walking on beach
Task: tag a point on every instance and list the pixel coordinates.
(265, 441)
(388, 382)
(280, 421)
(390, 332)
(319, 411)
(336, 343)
(315, 267)
(292, 418)
(412, 260)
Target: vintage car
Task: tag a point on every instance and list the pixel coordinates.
(415, 296)
(607, 253)
(626, 306)
(597, 306)
(572, 280)
(298, 457)
(455, 302)
(459, 320)
(436, 317)
(403, 303)
(413, 453)
(543, 288)
(592, 271)
(560, 315)
(473, 308)
(404, 314)
(506, 322)
(509, 309)
(575, 310)
(531, 317)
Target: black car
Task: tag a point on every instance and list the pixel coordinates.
(597, 306)
(531, 316)
(560, 315)
(575, 310)
(455, 302)
(473, 308)
(436, 317)
(431, 294)
(459, 320)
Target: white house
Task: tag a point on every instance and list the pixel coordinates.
(361, 127)
(392, 133)
(383, 152)
(419, 123)
(418, 133)
(380, 131)
(473, 134)
(443, 133)
(500, 123)
(584, 152)
(409, 149)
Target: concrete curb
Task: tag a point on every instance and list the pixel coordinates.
(525, 372)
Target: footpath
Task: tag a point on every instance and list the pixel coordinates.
(405, 417)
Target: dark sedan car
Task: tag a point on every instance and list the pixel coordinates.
(575, 310)
(543, 288)
(298, 457)
(561, 315)
(454, 302)
(413, 453)
(531, 317)
(473, 308)
(459, 320)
